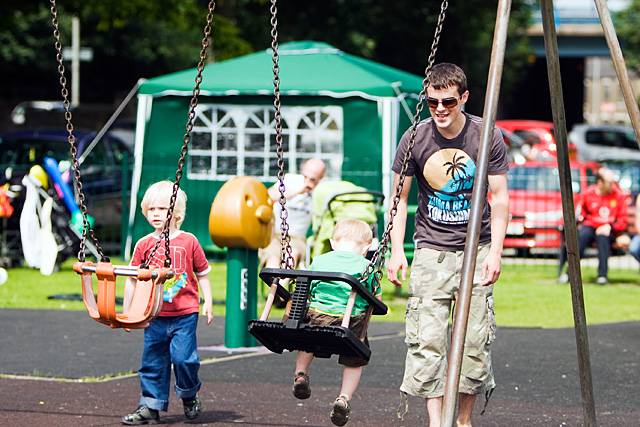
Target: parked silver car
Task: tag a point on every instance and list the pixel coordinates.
(604, 142)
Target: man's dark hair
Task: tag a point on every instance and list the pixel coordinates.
(445, 75)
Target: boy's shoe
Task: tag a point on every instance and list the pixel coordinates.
(301, 388)
(192, 407)
(602, 280)
(563, 278)
(142, 415)
(341, 410)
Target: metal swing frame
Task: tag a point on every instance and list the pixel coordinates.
(479, 191)
(148, 293)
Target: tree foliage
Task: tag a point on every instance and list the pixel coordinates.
(141, 38)
(398, 33)
(130, 39)
(628, 29)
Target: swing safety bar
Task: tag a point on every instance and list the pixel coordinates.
(146, 302)
(125, 270)
(271, 274)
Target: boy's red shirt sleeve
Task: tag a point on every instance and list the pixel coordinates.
(200, 263)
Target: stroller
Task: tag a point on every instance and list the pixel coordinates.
(333, 201)
(66, 237)
(337, 200)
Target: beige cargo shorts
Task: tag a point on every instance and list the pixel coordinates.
(435, 278)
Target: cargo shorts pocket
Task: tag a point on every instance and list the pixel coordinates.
(480, 334)
(491, 320)
(412, 322)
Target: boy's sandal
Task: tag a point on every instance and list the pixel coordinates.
(341, 410)
(301, 388)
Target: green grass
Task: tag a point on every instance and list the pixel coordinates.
(529, 296)
(526, 295)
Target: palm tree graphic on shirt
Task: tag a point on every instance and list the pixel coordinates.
(457, 170)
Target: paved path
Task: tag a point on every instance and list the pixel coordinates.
(536, 371)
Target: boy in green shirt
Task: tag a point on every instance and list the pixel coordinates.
(328, 301)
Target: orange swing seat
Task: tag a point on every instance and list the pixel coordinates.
(147, 297)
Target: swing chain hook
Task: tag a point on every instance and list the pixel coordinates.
(73, 150)
(193, 104)
(375, 266)
(286, 252)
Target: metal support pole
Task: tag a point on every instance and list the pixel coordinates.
(618, 63)
(478, 200)
(242, 279)
(107, 126)
(570, 228)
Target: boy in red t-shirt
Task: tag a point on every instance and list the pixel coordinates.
(171, 337)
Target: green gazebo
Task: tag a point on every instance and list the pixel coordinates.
(347, 110)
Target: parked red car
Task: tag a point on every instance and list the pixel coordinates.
(539, 136)
(535, 204)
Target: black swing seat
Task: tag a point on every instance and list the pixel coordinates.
(295, 334)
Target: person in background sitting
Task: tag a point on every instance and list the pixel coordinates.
(602, 213)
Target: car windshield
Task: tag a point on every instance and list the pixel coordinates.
(620, 138)
(531, 137)
(539, 178)
(19, 152)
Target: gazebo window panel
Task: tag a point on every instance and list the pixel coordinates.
(226, 165)
(254, 166)
(254, 142)
(241, 133)
(273, 166)
(285, 143)
(202, 164)
(201, 141)
(227, 141)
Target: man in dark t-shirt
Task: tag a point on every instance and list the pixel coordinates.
(443, 161)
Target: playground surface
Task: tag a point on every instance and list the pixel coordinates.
(61, 368)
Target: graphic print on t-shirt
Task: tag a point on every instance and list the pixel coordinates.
(178, 258)
(450, 172)
(172, 286)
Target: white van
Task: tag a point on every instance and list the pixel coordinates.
(604, 142)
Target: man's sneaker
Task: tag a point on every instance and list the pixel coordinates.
(301, 388)
(192, 407)
(563, 278)
(341, 410)
(142, 415)
(602, 280)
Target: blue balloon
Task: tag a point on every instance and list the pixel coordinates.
(62, 188)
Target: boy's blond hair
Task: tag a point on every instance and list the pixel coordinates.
(161, 192)
(354, 230)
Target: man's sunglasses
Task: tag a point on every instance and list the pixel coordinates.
(446, 102)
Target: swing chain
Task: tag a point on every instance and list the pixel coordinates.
(286, 254)
(164, 235)
(375, 266)
(77, 183)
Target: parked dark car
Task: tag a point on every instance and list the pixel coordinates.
(102, 170)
